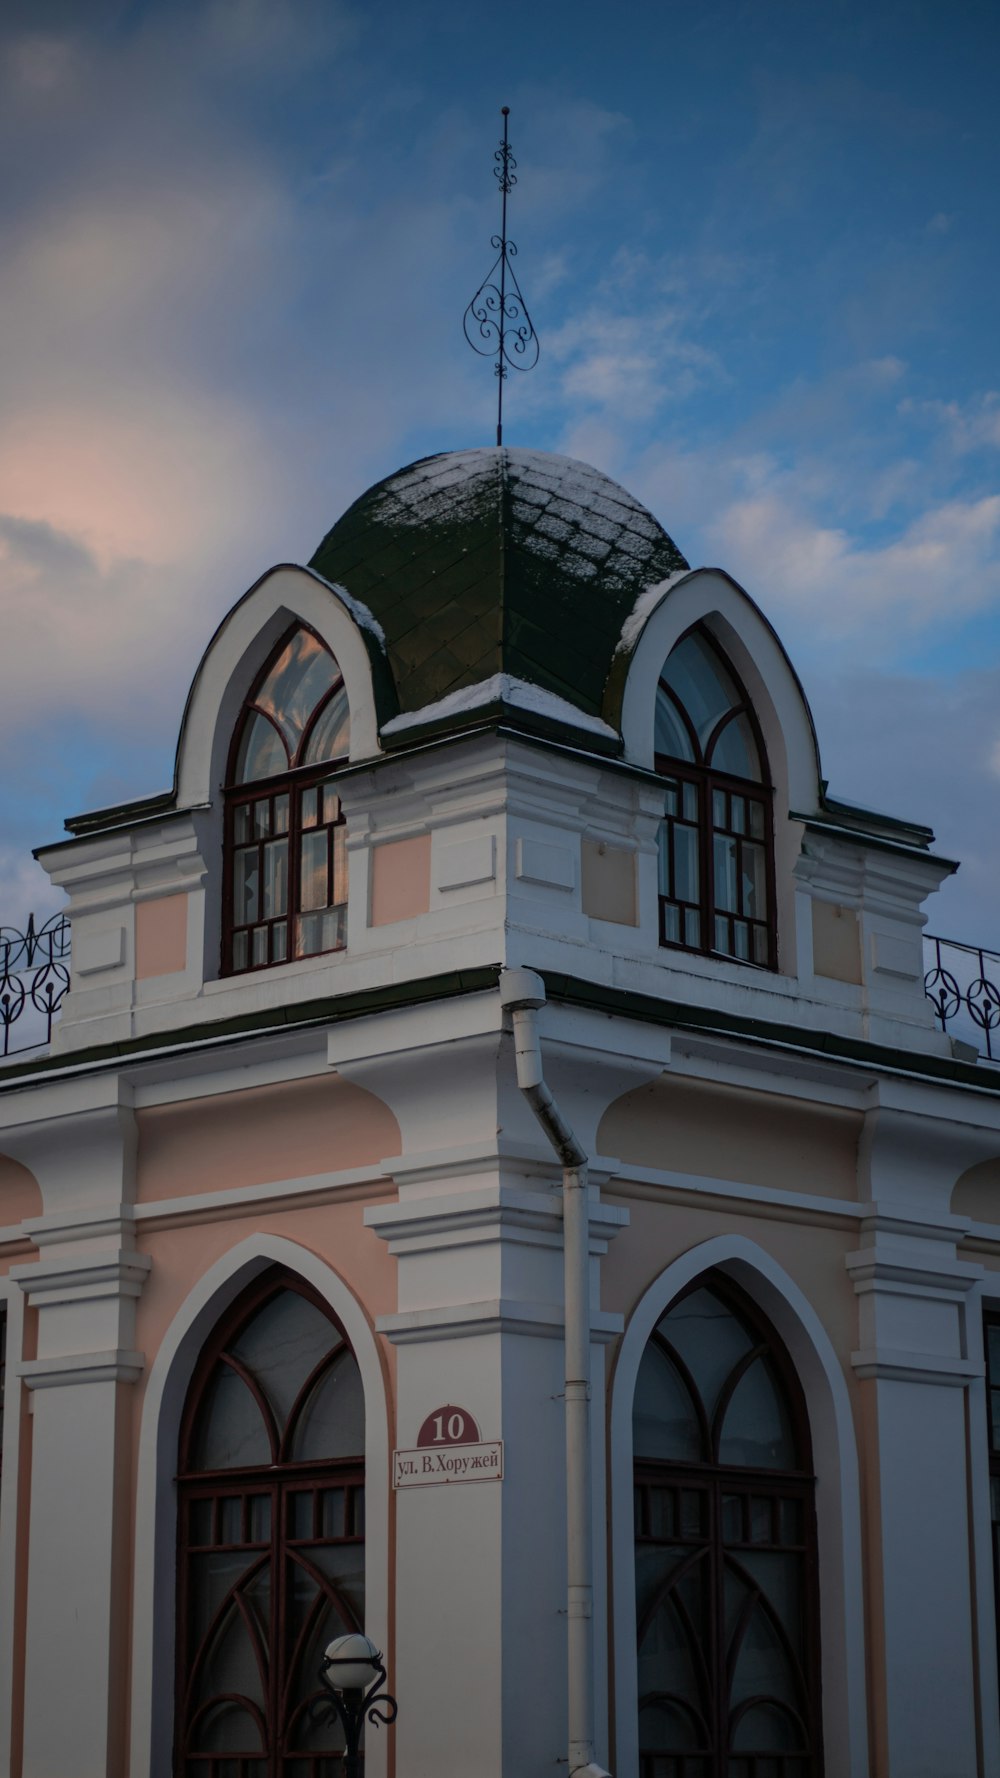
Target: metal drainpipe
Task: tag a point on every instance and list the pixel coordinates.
(522, 992)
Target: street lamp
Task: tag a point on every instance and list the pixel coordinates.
(353, 1674)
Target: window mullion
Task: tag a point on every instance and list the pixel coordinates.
(707, 825)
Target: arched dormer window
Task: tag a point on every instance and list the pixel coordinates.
(286, 860)
(716, 842)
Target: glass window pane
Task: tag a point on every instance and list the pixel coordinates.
(231, 1432)
(695, 672)
(726, 893)
(279, 942)
(303, 674)
(331, 803)
(757, 1429)
(663, 857)
(754, 872)
(723, 942)
(332, 1422)
(670, 799)
(686, 863)
(664, 1421)
(246, 886)
(736, 814)
(741, 941)
(993, 1350)
(240, 950)
(275, 878)
(690, 802)
(756, 814)
(692, 927)
(719, 809)
(320, 932)
(282, 1345)
(281, 813)
(262, 817)
(261, 753)
(310, 806)
(241, 823)
(672, 924)
(670, 737)
(259, 952)
(340, 863)
(760, 944)
(709, 1338)
(331, 737)
(313, 876)
(735, 751)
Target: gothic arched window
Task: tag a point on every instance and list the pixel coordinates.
(725, 1548)
(716, 846)
(286, 861)
(271, 1555)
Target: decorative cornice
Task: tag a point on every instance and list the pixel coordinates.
(114, 1366)
(885, 1363)
(499, 1315)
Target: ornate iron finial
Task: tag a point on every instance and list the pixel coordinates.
(496, 321)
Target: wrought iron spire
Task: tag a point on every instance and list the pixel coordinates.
(496, 322)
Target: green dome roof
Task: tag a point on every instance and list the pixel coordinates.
(475, 563)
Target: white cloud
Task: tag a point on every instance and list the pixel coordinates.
(966, 426)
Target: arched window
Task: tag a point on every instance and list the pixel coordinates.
(271, 1555)
(716, 845)
(725, 1548)
(286, 859)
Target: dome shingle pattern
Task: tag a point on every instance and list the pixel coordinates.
(493, 561)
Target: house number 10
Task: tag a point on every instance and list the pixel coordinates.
(448, 1426)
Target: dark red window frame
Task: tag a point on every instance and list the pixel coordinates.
(277, 810)
(696, 1504)
(272, 1514)
(708, 785)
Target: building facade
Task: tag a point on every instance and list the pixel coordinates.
(282, 1265)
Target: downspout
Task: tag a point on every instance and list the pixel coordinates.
(522, 992)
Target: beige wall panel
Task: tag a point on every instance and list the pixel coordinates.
(289, 1131)
(729, 1133)
(659, 1231)
(608, 883)
(20, 1194)
(836, 942)
(400, 880)
(977, 1192)
(161, 936)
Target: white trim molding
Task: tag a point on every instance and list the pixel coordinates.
(12, 1300)
(838, 1505)
(156, 1521)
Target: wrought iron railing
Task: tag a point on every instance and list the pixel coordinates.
(34, 977)
(962, 983)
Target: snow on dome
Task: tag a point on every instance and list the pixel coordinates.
(493, 562)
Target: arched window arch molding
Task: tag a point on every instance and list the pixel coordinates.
(236, 654)
(710, 597)
(156, 1517)
(838, 1502)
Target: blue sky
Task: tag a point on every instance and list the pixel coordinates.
(759, 242)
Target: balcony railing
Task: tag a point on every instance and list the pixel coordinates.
(962, 984)
(34, 977)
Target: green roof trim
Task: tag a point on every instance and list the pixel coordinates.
(493, 561)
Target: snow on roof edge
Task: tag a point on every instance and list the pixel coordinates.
(643, 609)
(502, 688)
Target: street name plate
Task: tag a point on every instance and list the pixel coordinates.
(424, 1468)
